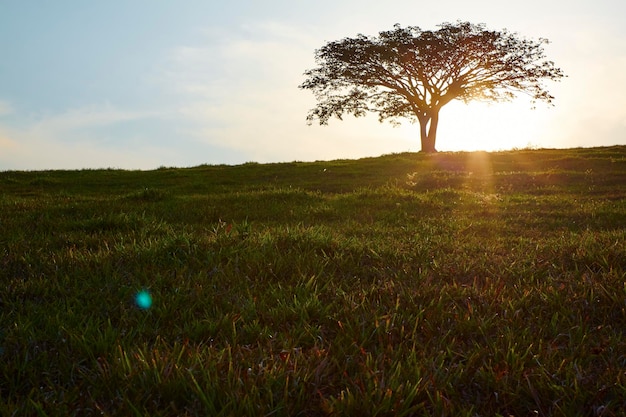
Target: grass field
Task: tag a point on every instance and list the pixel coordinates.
(455, 284)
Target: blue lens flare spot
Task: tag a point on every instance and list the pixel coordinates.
(143, 299)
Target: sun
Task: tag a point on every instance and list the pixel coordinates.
(489, 126)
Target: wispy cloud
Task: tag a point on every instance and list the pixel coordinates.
(254, 56)
(241, 93)
(91, 116)
(5, 108)
(6, 143)
(77, 138)
(5, 138)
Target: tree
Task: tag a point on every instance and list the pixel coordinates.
(410, 73)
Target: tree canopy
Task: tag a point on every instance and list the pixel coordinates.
(410, 73)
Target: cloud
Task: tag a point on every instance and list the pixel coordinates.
(238, 90)
(77, 138)
(249, 79)
(253, 57)
(5, 108)
(6, 142)
(241, 93)
(87, 117)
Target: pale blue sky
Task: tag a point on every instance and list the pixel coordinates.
(142, 84)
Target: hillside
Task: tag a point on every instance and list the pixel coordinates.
(408, 284)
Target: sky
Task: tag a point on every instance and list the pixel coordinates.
(143, 84)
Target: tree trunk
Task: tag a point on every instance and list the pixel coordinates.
(428, 131)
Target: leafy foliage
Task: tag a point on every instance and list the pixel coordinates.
(409, 73)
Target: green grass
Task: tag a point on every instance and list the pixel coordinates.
(460, 284)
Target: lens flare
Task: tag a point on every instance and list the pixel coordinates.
(143, 299)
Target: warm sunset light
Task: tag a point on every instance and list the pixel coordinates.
(213, 83)
(313, 208)
(491, 127)
(463, 127)
(411, 74)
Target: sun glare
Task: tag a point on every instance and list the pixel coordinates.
(489, 126)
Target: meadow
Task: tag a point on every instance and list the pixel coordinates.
(454, 284)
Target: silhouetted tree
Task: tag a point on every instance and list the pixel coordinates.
(411, 73)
